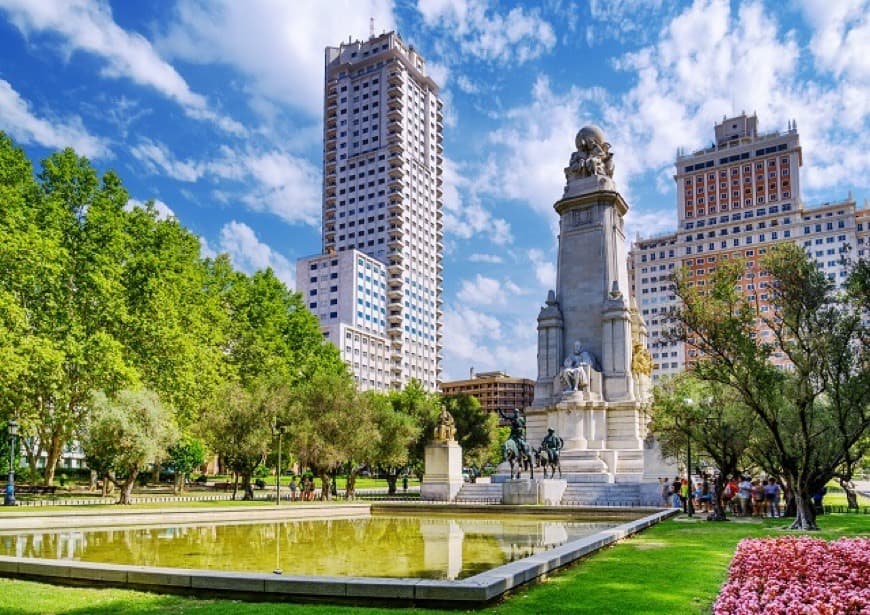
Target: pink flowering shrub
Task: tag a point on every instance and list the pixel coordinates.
(798, 576)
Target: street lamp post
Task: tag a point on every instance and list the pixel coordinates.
(9, 499)
(278, 472)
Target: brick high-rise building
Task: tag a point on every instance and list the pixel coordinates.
(736, 199)
(377, 285)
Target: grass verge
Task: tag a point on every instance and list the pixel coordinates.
(675, 567)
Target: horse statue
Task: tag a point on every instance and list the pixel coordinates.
(519, 458)
(546, 458)
(517, 451)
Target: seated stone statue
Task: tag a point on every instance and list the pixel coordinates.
(575, 373)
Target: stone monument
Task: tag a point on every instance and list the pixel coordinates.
(593, 384)
(442, 472)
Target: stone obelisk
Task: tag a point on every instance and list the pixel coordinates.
(593, 382)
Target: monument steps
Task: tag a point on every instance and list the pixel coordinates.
(488, 493)
(603, 494)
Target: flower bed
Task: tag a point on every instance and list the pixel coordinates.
(798, 575)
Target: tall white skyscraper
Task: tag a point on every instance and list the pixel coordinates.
(377, 285)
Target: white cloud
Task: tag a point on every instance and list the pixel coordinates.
(88, 26)
(545, 269)
(626, 21)
(250, 254)
(842, 29)
(466, 217)
(275, 181)
(17, 120)
(514, 37)
(487, 291)
(278, 46)
(476, 339)
(709, 60)
(493, 259)
(164, 212)
(645, 224)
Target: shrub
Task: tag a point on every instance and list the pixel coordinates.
(797, 575)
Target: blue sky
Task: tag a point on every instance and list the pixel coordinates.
(213, 108)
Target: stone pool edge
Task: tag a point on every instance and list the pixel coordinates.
(473, 591)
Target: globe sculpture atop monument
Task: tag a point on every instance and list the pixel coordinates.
(593, 383)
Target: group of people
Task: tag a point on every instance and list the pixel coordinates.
(303, 490)
(740, 495)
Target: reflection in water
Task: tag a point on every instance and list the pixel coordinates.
(380, 546)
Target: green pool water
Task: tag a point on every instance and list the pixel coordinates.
(433, 546)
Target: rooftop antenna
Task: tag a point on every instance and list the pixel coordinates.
(371, 27)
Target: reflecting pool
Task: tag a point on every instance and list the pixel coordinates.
(395, 545)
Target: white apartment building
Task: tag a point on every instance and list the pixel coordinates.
(736, 199)
(382, 215)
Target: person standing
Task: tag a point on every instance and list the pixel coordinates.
(675, 492)
(771, 496)
(744, 495)
(293, 488)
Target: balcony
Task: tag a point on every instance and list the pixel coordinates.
(396, 231)
(396, 78)
(395, 160)
(394, 128)
(395, 185)
(395, 243)
(397, 172)
(395, 102)
(395, 293)
(395, 318)
(329, 190)
(395, 115)
(394, 330)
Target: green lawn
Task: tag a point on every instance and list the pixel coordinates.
(675, 567)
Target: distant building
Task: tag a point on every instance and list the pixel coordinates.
(736, 199)
(376, 287)
(494, 390)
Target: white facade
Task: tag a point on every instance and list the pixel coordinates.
(382, 221)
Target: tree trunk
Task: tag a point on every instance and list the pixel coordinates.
(155, 474)
(851, 495)
(325, 486)
(55, 449)
(92, 484)
(32, 453)
(350, 489)
(392, 479)
(718, 513)
(247, 487)
(178, 486)
(126, 494)
(806, 513)
(235, 485)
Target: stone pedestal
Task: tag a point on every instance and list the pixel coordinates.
(519, 491)
(528, 491)
(551, 490)
(442, 478)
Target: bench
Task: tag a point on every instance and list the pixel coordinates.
(35, 489)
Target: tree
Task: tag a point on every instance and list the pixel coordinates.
(711, 417)
(238, 427)
(123, 434)
(326, 424)
(423, 407)
(187, 454)
(476, 429)
(389, 451)
(813, 414)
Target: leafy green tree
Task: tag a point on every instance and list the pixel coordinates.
(476, 429)
(710, 416)
(423, 407)
(814, 414)
(187, 454)
(326, 424)
(237, 426)
(123, 434)
(389, 450)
